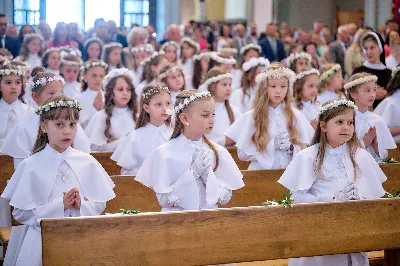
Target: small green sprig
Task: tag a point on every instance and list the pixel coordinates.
(129, 212)
(390, 160)
(285, 202)
(390, 194)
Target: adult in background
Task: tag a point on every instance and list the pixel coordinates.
(61, 37)
(152, 35)
(7, 42)
(173, 34)
(73, 33)
(225, 37)
(44, 29)
(241, 39)
(113, 35)
(12, 32)
(135, 37)
(338, 48)
(354, 56)
(271, 48)
(25, 29)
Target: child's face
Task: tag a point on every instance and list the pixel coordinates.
(301, 65)
(222, 91)
(94, 51)
(10, 87)
(365, 95)
(251, 54)
(52, 89)
(139, 57)
(310, 88)
(175, 81)
(61, 133)
(54, 60)
(161, 64)
(34, 46)
(115, 56)
(94, 77)
(187, 50)
(372, 52)
(70, 73)
(205, 63)
(336, 82)
(339, 129)
(157, 108)
(122, 93)
(277, 89)
(171, 53)
(198, 119)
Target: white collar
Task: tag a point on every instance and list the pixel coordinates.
(193, 144)
(379, 66)
(219, 105)
(52, 153)
(363, 115)
(175, 93)
(119, 111)
(276, 110)
(90, 91)
(338, 150)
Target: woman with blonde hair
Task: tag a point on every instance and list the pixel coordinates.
(354, 56)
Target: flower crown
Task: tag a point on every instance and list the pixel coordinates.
(330, 72)
(117, 73)
(227, 50)
(51, 49)
(303, 74)
(55, 104)
(34, 35)
(277, 73)
(151, 92)
(253, 62)
(394, 72)
(187, 101)
(93, 39)
(250, 46)
(360, 81)
(91, 64)
(148, 48)
(293, 57)
(151, 57)
(5, 62)
(69, 50)
(215, 79)
(169, 71)
(222, 60)
(336, 104)
(191, 43)
(164, 46)
(198, 57)
(43, 82)
(12, 72)
(111, 45)
(64, 62)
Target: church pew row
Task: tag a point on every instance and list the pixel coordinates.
(224, 235)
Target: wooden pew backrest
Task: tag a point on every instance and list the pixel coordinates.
(111, 167)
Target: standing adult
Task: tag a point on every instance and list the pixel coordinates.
(338, 48)
(61, 37)
(113, 34)
(173, 34)
(271, 48)
(7, 42)
(73, 33)
(241, 39)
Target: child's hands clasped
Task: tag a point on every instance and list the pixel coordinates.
(369, 136)
(71, 199)
(202, 162)
(282, 142)
(349, 192)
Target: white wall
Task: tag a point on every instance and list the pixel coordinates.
(236, 9)
(262, 13)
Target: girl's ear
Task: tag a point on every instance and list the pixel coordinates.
(353, 95)
(323, 126)
(184, 119)
(35, 96)
(43, 127)
(146, 108)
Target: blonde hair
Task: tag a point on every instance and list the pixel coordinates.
(178, 128)
(355, 88)
(297, 91)
(260, 116)
(320, 137)
(150, 91)
(324, 83)
(66, 113)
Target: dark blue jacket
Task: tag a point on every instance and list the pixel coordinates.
(12, 45)
(266, 51)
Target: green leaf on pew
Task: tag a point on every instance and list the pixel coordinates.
(392, 195)
(127, 211)
(285, 202)
(390, 160)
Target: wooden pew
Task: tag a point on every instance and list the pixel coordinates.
(395, 153)
(241, 164)
(109, 165)
(223, 235)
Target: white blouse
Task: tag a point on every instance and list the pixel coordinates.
(132, 152)
(236, 79)
(389, 110)
(139, 89)
(221, 123)
(243, 104)
(72, 90)
(53, 71)
(87, 99)
(329, 95)
(137, 76)
(309, 110)
(33, 60)
(122, 124)
(366, 120)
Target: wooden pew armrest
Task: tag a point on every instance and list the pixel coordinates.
(5, 234)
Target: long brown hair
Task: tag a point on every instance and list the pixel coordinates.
(107, 50)
(216, 71)
(394, 84)
(354, 89)
(109, 103)
(297, 91)
(260, 115)
(24, 52)
(66, 113)
(150, 91)
(248, 80)
(197, 73)
(148, 74)
(320, 137)
(12, 67)
(178, 128)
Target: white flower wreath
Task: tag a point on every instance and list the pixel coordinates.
(69, 50)
(117, 73)
(307, 73)
(250, 46)
(148, 48)
(164, 46)
(253, 62)
(14, 72)
(215, 79)
(222, 60)
(276, 73)
(55, 104)
(293, 57)
(151, 92)
(111, 45)
(33, 36)
(227, 50)
(360, 81)
(43, 82)
(336, 104)
(198, 57)
(151, 57)
(169, 71)
(191, 43)
(187, 101)
(330, 72)
(93, 39)
(90, 64)
(51, 49)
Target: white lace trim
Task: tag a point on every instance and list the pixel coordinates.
(191, 43)
(222, 60)
(293, 57)
(117, 73)
(276, 73)
(253, 62)
(307, 73)
(330, 72)
(360, 81)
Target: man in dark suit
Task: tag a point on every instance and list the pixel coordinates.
(337, 49)
(7, 42)
(271, 48)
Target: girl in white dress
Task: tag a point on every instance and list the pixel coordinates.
(244, 97)
(334, 168)
(246, 53)
(112, 55)
(200, 69)
(41, 87)
(139, 53)
(92, 49)
(189, 48)
(174, 78)
(331, 86)
(273, 132)
(192, 172)
(153, 128)
(227, 63)
(57, 181)
(171, 50)
(305, 94)
(299, 62)
(372, 131)
(152, 66)
(389, 108)
(70, 70)
(218, 83)
(118, 118)
(51, 60)
(92, 95)
(31, 50)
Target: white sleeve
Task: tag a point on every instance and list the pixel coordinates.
(110, 146)
(225, 196)
(305, 196)
(91, 208)
(167, 200)
(17, 161)
(243, 156)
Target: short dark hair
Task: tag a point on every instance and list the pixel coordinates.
(2, 15)
(391, 21)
